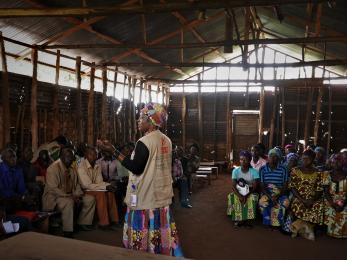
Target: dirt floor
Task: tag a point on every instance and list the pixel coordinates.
(207, 233)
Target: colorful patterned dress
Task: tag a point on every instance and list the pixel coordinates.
(273, 180)
(336, 221)
(307, 185)
(152, 231)
(236, 211)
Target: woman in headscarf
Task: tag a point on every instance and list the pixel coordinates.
(242, 201)
(149, 225)
(273, 183)
(306, 185)
(335, 216)
(292, 160)
(320, 158)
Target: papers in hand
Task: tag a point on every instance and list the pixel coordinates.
(10, 227)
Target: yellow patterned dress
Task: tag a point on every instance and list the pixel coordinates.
(307, 185)
(336, 221)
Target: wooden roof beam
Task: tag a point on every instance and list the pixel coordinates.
(138, 9)
(223, 64)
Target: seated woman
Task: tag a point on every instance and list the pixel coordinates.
(242, 201)
(306, 185)
(335, 216)
(273, 184)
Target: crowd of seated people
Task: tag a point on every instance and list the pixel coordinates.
(82, 186)
(184, 165)
(295, 191)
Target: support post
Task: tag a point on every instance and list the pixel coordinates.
(283, 121)
(261, 113)
(329, 119)
(6, 116)
(114, 112)
(104, 104)
(91, 106)
(318, 114)
(273, 119)
(308, 115)
(184, 114)
(200, 123)
(56, 118)
(80, 133)
(33, 103)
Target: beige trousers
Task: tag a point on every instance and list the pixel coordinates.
(66, 207)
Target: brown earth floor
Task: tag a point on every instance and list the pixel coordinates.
(207, 233)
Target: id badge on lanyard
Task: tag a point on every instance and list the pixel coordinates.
(133, 196)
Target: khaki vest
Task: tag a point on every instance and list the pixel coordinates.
(154, 185)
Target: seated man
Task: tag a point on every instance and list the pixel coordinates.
(63, 192)
(12, 189)
(41, 165)
(32, 184)
(90, 177)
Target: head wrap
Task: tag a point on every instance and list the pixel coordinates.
(292, 156)
(156, 113)
(246, 154)
(343, 150)
(289, 146)
(319, 149)
(336, 157)
(275, 151)
(310, 153)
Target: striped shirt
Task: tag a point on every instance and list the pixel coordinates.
(278, 176)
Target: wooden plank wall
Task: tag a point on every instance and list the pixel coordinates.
(215, 122)
(20, 94)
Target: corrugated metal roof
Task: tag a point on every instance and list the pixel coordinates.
(129, 29)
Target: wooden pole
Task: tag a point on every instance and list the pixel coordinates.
(141, 90)
(329, 119)
(318, 114)
(56, 119)
(133, 112)
(297, 115)
(261, 114)
(273, 119)
(308, 115)
(91, 107)
(150, 93)
(104, 104)
(33, 103)
(184, 115)
(80, 134)
(114, 112)
(6, 112)
(229, 30)
(283, 119)
(200, 122)
(228, 130)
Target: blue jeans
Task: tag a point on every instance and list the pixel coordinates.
(183, 191)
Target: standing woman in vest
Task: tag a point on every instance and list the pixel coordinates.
(149, 225)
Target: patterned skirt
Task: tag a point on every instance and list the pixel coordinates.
(273, 215)
(152, 231)
(239, 212)
(336, 222)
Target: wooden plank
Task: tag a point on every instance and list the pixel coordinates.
(55, 123)
(104, 104)
(6, 112)
(297, 129)
(33, 103)
(318, 115)
(80, 135)
(90, 132)
(149, 92)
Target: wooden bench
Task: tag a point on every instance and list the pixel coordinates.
(203, 173)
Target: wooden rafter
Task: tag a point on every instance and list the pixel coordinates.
(139, 9)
